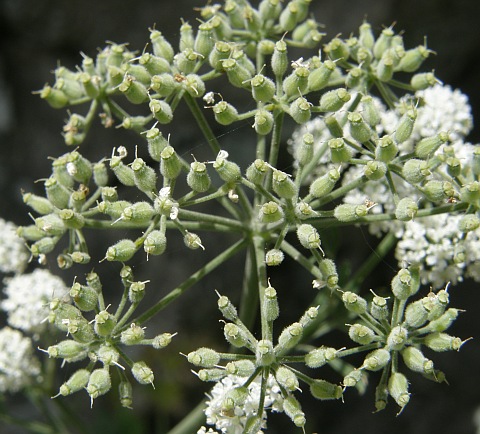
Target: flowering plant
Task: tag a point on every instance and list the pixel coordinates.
(375, 143)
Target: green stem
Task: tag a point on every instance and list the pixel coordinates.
(192, 421)
(275, 145)
(192, 280)
(259, 245)
(249, 299)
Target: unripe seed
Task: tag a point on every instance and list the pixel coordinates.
(204, 40)
(155, 243)
(263, 88)
(289, 337)
(406, 209)
(348, 212)
(274, 257)
(427, 146)
(443, 322)
(415, 171)
(375, 170)
(225, 113)
(56, 193)
(51, 224)
(122, 251)
(264, 353)
(397, 338)
(68, 349)
(361, 334)
(161, 341)
(321, 389)
(270, 212)
(300, 110)
(376, 360)
(359, 129)
(319, 77)
(283, 185)
(365, 35)
(161, 47)
(156, 143)
(170, 165)
(227, 170)
(236, 73)
(416, 361)
(212, 374)
(71, 219)
(308, 236)
(163, 84)
(263, 122)
(369, 111)
(133, 335)
(423, 81)
(154, 64)
(99, 383)
(353, 378)
(405, 126)
(339, 151)
(279, 59)
(325, 184)
(161, 111)
(320, 356)
(398, 389)
(470, 193)
(354, 302)
(104, 323)
(134, 90)
(197, 178)
(123, 173)
(296, 83)
(437, 191)
(192, 241)
(386, 149)
(334, 100)
(413, 59)
(235, 335)
(242, 368)
(333, 126)
(256, 171)
(142, 373)
(292, 408)
(204, 357)
(85, 297)
(39, 204)
(125, 394)
(383, 42)
(75, 383)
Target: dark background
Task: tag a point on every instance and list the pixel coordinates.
(36, 35)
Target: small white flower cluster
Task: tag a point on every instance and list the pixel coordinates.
(18, 365)
(433, 242)
(26, 304)
(13, 253)
(235, 424)
(27, 298)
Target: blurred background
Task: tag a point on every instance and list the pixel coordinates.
(35, 36)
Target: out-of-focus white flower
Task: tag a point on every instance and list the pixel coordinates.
(236, 423)
(18, 365)
(13, 253)
(434, 243)
(27, 298)
(204, 430)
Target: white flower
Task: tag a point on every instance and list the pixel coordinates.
(18, 365)
(235, 424)
(13, 254)
(27, 298)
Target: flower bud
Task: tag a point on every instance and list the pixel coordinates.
(161, 111)
(308, 236)
(204, 357)
(225, 113)
(75, 383)
(405, 126)
(321, 389)
(397, 338)
(142, 373)
(339, 151)
(348, 212)
(376, 360)
(122, 251)
(354, 303)
(270, 212)
(263, 88)
(359, 129)
(197, 178)
(320, 356)
(300, 110)
(361, 334)
(289, 337)
(133, 335)
(256, 171)
(398, 389)
(334, 100)
(319, 77)
(442, 342)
